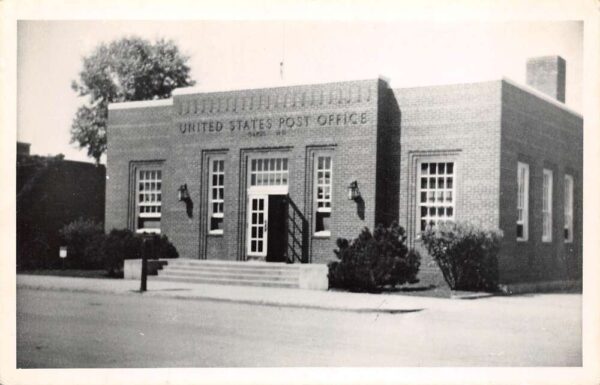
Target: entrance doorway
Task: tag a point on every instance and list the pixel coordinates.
(267, 217)
(266, 237)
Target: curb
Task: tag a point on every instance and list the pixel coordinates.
(260, 302)
(470, 295)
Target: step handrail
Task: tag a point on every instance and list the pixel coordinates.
(297, 234)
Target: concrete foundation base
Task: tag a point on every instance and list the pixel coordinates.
(313, 277)
(132, 268)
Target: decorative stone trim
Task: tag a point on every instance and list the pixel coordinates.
(275, 100)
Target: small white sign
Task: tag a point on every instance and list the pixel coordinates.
(62, 252)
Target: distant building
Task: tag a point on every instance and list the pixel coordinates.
(254, 161)
(52, 192)
(23, 148)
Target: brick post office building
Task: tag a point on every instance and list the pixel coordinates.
(278, 174)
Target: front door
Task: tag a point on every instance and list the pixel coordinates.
(257, 225)
(276, 228)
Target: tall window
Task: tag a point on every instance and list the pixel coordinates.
(216, 195)
(547, 207)
(568, 208)
(436, 193)
(522, 202)
(323, 185)
(149, 198)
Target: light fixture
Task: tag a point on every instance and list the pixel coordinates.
(353, 191)
(182, 193)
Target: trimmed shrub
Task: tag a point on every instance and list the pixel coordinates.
(161, 247)
(374, 260)
(466, 254)
(90, 248)
(82, 238)
(120, 245)
(124, 244)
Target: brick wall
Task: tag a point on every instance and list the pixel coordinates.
(459, 123)
(388, 157)
(543, 135)
(134, 136)
(182, 137)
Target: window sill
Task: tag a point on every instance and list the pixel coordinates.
(522, 240)
(149, 215)
(215, 233)
(322, 235)
(147, 231)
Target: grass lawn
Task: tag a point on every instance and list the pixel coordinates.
(68, 273)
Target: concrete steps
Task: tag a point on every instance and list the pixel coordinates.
(231, 273)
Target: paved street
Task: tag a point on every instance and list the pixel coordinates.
(78, 330)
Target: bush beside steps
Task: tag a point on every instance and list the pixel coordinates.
(374, 261)
(89, 248)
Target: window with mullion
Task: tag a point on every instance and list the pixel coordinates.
(216, 195)
(436, 193)
(323, 192)
(148, 200)
(269, 172)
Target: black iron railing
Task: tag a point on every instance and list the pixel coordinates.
(297, 234)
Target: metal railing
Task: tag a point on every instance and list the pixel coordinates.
(297, 234)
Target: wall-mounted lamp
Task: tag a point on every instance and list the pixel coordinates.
(353, 191)
(182, 193)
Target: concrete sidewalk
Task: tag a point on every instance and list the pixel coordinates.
(243, 294)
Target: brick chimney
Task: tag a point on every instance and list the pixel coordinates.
(547, 74)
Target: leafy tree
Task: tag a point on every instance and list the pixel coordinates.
(124, 70)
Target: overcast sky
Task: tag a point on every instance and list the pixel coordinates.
(244, 54)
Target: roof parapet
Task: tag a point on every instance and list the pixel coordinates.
(141, 104)
(541, 95)
(206, 90)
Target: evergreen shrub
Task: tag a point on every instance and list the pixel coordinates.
(124, 244)
(374, 260)
(83, 238)
(89, 248)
